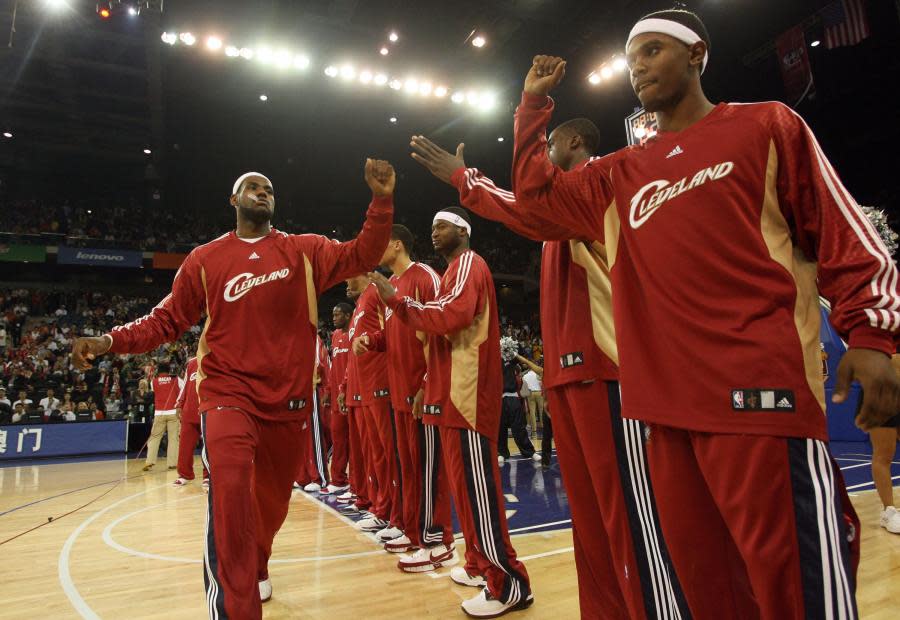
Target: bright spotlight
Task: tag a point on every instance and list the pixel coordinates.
(56, 5)
(815, 43)
(606, 72)
(169, 37)
(393, 37)
(265, 55)
(380, 79)
(620, 64)
(7, 134)
(393, 119)
(500, 139)
(232, 52)
(331, 71)
(246, 53)
(411, 85)
(440, 91)
(396, 84)
(283, 59)
(365, 77)
(348, 72)
(472, 98)
(147, 151)
(487, 101)
(301, 61)
(594, 78)
(263, 97)
(479, 41)
(384, 51)
(187, 38)
(458, 97)
(425, 89)
(132, 11)
(213, 43)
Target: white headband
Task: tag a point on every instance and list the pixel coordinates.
(453, 218)
(243, 177)
(671, 28)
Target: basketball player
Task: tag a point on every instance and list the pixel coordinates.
(186, 410)
(255, 368)
(426, 491)
(340, 349)
(387, 510)
(312, 474)
(166, 388)
(719, 231)
(462, 397)
(622, 562)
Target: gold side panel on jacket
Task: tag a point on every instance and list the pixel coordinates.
(611, 231)
(312, 304)
(807, 318)
(593, 260)
(202, 346)
(464, 365)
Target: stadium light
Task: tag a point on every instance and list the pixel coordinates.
(283, 59)
(7, 134)
(348, 72)
(104, 12)
(815, 43)
(232, 52)
(500, 139)
(411, 85)
(487, 101)
(393, 119)
(132, 11)
(384, 51)
(380, 79)
(458, 97)
(396, 84)
(365, 77)
(246, 53)
(479, 41)
(263, 97)
(213, 43)
(187, 38)
(594, 78)
(331, 71)
(393, 37)
(440, 91)
(147, 151)
(606, 72)
(170, 38)
(620, 64)
(301, 61)
(56, 5)
(264, 55)
(425, 89)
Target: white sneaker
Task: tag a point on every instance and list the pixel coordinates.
(890, 520)
(297, 486)
(346, 497)
(500, 459)
(180, 482)
(205, 485)
(460, 576)
(371, 524)
(388, 533)
(349, 509)
(265, 590)
(428, 559)
(536, 457)
(486, 606)
(400, 545)
(313, 487)
(331, 489)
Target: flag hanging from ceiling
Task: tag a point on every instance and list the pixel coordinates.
(845, 23)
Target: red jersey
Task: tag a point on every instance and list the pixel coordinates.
(188, 401)
(340, 350)
(257, 350)
(165, 394)
(465, 380)
(405, 346)
(576, 305)
(352, 391)
(716, 247)
(369, 319)
(323, 365)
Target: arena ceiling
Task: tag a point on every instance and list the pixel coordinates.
(84, 97)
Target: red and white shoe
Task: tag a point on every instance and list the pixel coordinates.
(460, 576)
(265, 590)
(428, 559)
(346, 498)
(486, 606)
(335, 489)
(205, 485)
(180, 482)
(400, 545)
(389, 533)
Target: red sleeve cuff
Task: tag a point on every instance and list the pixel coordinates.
(112, 343)
(458, 177)
(394, 302)
(865, 337)
(383, 203)
(536, 102)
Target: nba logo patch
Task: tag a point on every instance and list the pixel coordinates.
(737, 399)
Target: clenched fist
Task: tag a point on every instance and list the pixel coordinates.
(380, 177)
(545, 74)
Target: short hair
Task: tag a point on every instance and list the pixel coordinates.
(586, 130)
(685, 18)
(163, 368)
(460, 212)
(401, 233)
(344, 307)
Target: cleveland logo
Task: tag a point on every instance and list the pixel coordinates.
(652, 196)
(240, 285)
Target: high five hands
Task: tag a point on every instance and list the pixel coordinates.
(545, 74)
(380, 177)
(439, 162)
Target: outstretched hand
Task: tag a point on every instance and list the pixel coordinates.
(380, 177)
(85, 350)
(545, 74)
(880, 385)
(439, 162)
(384, 286)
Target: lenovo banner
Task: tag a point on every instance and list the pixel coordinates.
(95, 256)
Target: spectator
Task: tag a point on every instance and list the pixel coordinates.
(23, 400)
(535, 398)
(113, 404)
(50, 402)
(18, 412)
(3, 399)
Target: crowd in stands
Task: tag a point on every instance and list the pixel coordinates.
(37, 380)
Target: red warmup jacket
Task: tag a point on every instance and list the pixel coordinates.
(322, 377)
(340, 349)
(351, 386)
(373, 373)
(257, 350)
(165, 394)
(576, 304)
(718, 252)
(405, 346)
(465, 380)
(188, 400)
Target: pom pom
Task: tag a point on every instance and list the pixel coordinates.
(880, 222)
(509, 348)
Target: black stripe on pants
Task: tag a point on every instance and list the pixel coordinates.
(215, 594)
(429, 458)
